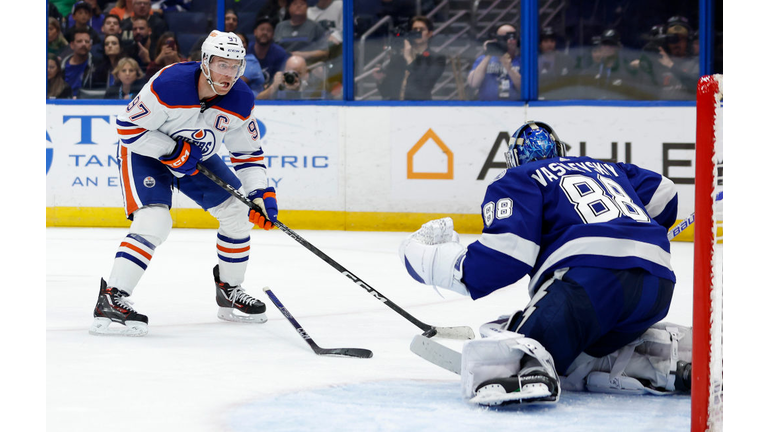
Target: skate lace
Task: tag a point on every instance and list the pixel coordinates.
(124, 303)
(238, 295)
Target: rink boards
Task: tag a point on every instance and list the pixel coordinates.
(380, 168)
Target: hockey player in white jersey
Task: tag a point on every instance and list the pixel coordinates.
(181, 117)
(592, 237)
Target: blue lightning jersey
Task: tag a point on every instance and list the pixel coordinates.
(570, 212)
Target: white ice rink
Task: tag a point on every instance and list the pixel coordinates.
(195, 373)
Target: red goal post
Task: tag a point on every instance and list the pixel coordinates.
(707, 385)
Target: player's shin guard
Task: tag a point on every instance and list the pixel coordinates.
(235, 304)
(113, 306)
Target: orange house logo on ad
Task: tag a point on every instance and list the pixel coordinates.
(430, 135)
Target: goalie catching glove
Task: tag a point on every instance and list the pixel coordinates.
(184, 158)
(266, 200)
(433, 256)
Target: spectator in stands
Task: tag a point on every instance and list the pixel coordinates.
(412, 71)
(57, 88)
(166, 53)
(56, 40)
(78, 66)
(143, 9)
(276, 10)
(552, 62)
(231, 21)
(609, 76)
(294, 82)
(301, 36)
(680, 68)
(62, 7)
(253, 75)
(96, 20)
(328, 13)
(142, 47)
(270, 56)
(80, 20)
(496, 73)
(128, 80)
(112, 53)
(110, 26)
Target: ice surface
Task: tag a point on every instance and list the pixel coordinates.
(193, 372)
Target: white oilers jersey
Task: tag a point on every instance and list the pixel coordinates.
(571, 212)
(168, 108)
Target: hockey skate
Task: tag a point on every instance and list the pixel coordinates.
(113, 306)
(532, 385)
(235, 304)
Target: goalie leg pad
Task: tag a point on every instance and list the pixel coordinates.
(508, 367)
(658, 363)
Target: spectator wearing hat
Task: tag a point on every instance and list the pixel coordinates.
(554, 65)
(609, 75)
(269, 56)
(81, 19)
(667, 61)
(680, 68)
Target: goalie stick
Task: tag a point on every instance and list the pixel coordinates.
(460, 332)
(685, 223)
(341, 352)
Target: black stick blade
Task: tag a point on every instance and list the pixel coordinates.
(346, 352)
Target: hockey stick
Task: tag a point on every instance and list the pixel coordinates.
(437, 354)
(342, 352)
(461, 332)
(685, 223)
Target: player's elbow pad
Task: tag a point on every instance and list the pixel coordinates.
(440, 265)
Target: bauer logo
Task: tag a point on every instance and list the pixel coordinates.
(48, 152)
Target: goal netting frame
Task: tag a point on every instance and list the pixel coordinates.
(707, 384)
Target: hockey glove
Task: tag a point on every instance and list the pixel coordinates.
(433, 256)
(184, 158)
(266, 200)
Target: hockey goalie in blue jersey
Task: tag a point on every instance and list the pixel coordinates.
(181, 118)
(592, 238)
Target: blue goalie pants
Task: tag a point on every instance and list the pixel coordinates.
(593, 310)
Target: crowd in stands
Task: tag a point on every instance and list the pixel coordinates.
(108, 50)
(294, 52)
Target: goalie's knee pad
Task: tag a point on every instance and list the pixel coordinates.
(507, 367)
(153, 223)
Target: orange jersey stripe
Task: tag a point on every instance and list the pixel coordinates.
(255, 159)
(130, 203)
(134, 131)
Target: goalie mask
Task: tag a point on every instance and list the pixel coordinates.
(224, 45)
(531, 142)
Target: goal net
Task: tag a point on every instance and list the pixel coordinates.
(707, 386)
